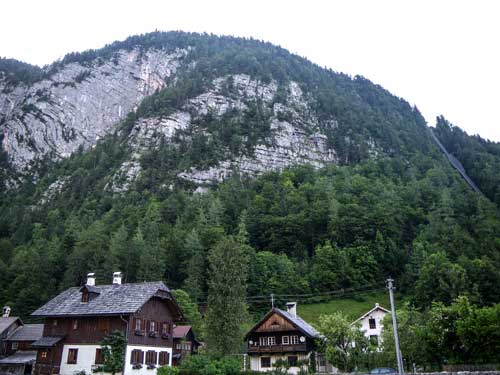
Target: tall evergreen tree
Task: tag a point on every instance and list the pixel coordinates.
(227, 285)
(195, 266)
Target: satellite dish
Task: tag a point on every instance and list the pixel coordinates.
(302, 339)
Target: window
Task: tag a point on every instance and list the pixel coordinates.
(85, 296)
(15, 345)
(272, 340)
(292, 361)
(164, 358)
(138, 323)
(43, 354)
(265, 362)
(263, 341)
(152, 326)
(164, 328)
(151, 357)
(285, 340)
(178, 346)
(374, 340)
(103, 325)
(372, 323)
(294, 340)
(99, 357)
(321, 361)
(72, 356)
(75, 324)
(137, 356)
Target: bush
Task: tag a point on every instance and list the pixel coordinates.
(206, 365)
(167, 370)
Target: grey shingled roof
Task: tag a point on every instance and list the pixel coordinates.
(113, 299)
(20, 357)
(6, 322)
(300, 323)
(47, 341)
(27, 332)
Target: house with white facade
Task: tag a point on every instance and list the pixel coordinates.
(371, 324)
(78, 319)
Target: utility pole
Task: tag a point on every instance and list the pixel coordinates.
(390, 286)
(272, 300)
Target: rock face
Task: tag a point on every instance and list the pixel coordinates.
(79, 104)
(294, 141)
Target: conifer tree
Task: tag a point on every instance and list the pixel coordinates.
(228, 265)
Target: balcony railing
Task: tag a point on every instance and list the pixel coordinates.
(277, 348)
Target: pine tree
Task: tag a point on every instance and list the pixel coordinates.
(195, 266)
(227, 285)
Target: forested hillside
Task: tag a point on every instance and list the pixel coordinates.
(386, 204)
(480, 157)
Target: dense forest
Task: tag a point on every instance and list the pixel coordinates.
(400, 212)
(480, 157)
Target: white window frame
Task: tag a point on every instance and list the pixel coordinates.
(271, 340)
(285, 340)
(15, 345)
(294, 340)
(263, 341)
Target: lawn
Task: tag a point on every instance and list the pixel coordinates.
(354, 307)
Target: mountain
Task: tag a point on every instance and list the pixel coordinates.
(329, 180)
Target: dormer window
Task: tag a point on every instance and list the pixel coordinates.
(89, 292)
(85, 296)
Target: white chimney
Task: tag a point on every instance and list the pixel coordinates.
(117, 278)
(91, 279)
(5, 312)
(291, 307)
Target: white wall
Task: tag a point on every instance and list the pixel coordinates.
(378, 315)
(144, 370)
(85, 359)
(255, 361)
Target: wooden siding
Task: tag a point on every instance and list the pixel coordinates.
(275, 323)
(89, 330)
(51, 364)
(158, 310)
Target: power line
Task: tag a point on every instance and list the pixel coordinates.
(308, 296)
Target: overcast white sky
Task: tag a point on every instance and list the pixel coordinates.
(442, 55)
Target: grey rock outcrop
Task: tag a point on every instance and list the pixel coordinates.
(78, 105)
(297, 140)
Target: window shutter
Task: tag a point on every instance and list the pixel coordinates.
(148, 325)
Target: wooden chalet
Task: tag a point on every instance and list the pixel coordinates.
(8, 324)
(20, 356)
(78, 319)
(281, 335)
(185, 343)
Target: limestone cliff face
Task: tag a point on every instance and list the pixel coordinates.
(78, 104)
(297, 140)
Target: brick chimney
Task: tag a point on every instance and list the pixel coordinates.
(117, 278)
(91, 279)
(291, 308)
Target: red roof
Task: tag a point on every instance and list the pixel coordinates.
(181, 331)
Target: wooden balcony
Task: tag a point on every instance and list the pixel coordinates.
(277, 348)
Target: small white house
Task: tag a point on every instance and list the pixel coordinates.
(371, 324)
